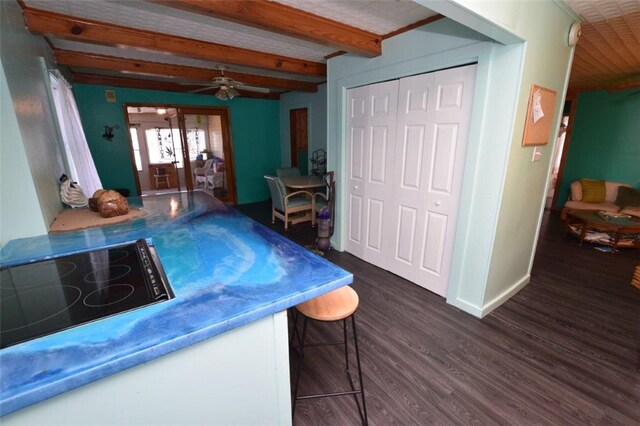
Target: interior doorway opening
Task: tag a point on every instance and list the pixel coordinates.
(556, 160)
(176, 148)
(560, 153)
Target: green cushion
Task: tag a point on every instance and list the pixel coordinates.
(298, 200)
(628, 197)
(593, 191)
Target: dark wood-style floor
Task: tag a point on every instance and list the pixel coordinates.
(564, 350)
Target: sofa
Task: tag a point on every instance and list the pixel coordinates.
(614, 200)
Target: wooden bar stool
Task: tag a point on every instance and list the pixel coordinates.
(337, 305)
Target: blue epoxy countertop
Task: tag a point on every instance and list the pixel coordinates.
(225, 270)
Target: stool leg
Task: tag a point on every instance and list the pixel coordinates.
(363, 414)
(346, 350)
(299, 368)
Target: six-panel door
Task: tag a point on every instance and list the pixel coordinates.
(405, 160)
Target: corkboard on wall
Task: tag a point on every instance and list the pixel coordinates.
(540, 112)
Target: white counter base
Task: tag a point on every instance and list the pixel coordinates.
(238, 377)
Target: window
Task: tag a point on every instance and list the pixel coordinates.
(196, 142)
(136, 147)
(161, 143)
(161, 146)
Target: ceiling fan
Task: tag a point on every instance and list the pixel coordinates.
(228, 87)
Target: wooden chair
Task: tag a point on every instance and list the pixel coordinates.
(295, 207)
(161, 175)
(337, 305)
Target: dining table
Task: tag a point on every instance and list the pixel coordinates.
(303, 182)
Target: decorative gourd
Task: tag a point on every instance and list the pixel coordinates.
(112, 203)
(93, 201)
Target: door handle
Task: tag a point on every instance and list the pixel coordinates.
(438, 203)
(355, 188)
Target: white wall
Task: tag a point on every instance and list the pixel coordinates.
(316, 104)
(21, 54)
(503, 193)
(439, 45)
(19, 206)
(544, 25)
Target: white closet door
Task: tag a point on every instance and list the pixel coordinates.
(371, 123)
(406, 145)
(432, 131)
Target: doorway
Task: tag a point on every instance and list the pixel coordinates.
(298, 126)
(560, 152)
(555, 163)
(170, 145)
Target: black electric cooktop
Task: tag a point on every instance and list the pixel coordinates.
(44, 297)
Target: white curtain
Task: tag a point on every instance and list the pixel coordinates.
(82, 169)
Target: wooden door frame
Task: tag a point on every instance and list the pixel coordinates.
(227, 143)
(293, 145)
(573, 98)
(182, 128)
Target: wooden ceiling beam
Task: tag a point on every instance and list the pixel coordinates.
(283, 19)
(633, 83)
(90, 60)
(157, 85)
(79, 29)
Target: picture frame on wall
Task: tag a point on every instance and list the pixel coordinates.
(540, 112)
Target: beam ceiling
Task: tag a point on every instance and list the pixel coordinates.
(79, 59)
(69, 27)
(157, 85)
(286, 20)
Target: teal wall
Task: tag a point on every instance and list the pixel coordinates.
(316, 104)
(255, 135)
(605, 141)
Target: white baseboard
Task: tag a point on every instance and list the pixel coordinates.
(469, 308)
(480, 312)
(505, 295)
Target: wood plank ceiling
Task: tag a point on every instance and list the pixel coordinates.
(179, 45)
(607, 55)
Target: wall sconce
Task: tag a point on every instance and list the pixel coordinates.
(108, 132)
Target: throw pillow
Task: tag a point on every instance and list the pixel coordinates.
(628, 197)
(593, 191)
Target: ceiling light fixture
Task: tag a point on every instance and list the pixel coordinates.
(226, 93)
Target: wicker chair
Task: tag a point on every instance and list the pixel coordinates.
(295, 207)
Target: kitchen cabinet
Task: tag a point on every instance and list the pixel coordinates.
(215, 353)
(238, 377)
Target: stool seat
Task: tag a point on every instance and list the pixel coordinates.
(333, 306)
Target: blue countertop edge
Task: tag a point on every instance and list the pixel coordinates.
(285, 300)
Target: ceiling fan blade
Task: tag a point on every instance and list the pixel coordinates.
(204, 89)
(253, 89)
